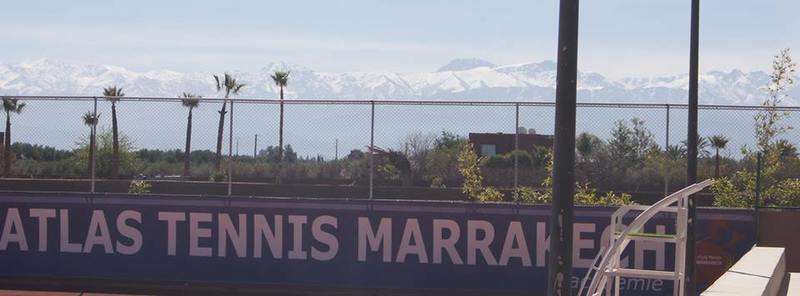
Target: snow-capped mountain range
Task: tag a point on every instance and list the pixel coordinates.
(461, 79)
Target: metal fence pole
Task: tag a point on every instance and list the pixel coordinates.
(692, 138)
(516, 147)
(94, 142)
(758, 194)
(668, 170)
(230, 152)
(371, 149)
(559, 279)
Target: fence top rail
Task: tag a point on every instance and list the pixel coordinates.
(442, 102)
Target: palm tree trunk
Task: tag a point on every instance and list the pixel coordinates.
(90, 163)
(115, 134)
(188, 153)
(716, 165)
(220, 130)
(7, 147)
(280, 142)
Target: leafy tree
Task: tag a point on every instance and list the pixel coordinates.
(767, 121)
(38, 152)
(272, 154)
(90, 119)
(473, 188)
(10, 106)
(628, 149)
(718, 142)
(587, 146)
(355, 154)
(738, 191)
(113, 95)
(449, 140)
(442, 161)
(189, 101)
(785, 149)
(417, 146)
(785, 193)
(230, 86)
(584, 193)
(281, 79)
(128, 163)
(394, 164)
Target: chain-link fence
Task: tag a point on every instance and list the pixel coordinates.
(378, 149)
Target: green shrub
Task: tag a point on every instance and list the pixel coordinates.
(785, 193)
(586, 195)
(139, 187)
(217, 176)
(525, 194)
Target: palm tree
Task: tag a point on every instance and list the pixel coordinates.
(281, 78)
(9, 106)
(113, 94)
(90, 120)
(231, 86)
(189, 101)
(702, 144)
(717, 142)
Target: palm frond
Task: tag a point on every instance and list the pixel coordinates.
(238, 88)
(228, 83)
(113, 93)
(89, 118)
(20, 106)
(718, 142)
(13, 105)
(190, 100)
(219, 86)
(281, 78)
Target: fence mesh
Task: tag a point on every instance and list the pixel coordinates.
(634, 148)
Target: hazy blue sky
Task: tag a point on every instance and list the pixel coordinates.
(618, 37)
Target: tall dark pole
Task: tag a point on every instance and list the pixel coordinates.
(560, 260)
(691, 166)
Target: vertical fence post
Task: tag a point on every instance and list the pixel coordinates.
(758, 194)
(94, 142)
(516, 147)
(371, 149)
(667, 165)
(230, 152)
(255, 148)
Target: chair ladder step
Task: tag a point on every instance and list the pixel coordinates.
(654, 237)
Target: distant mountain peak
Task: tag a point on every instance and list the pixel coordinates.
(460, 80)
(465, 64)
(543, 66)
